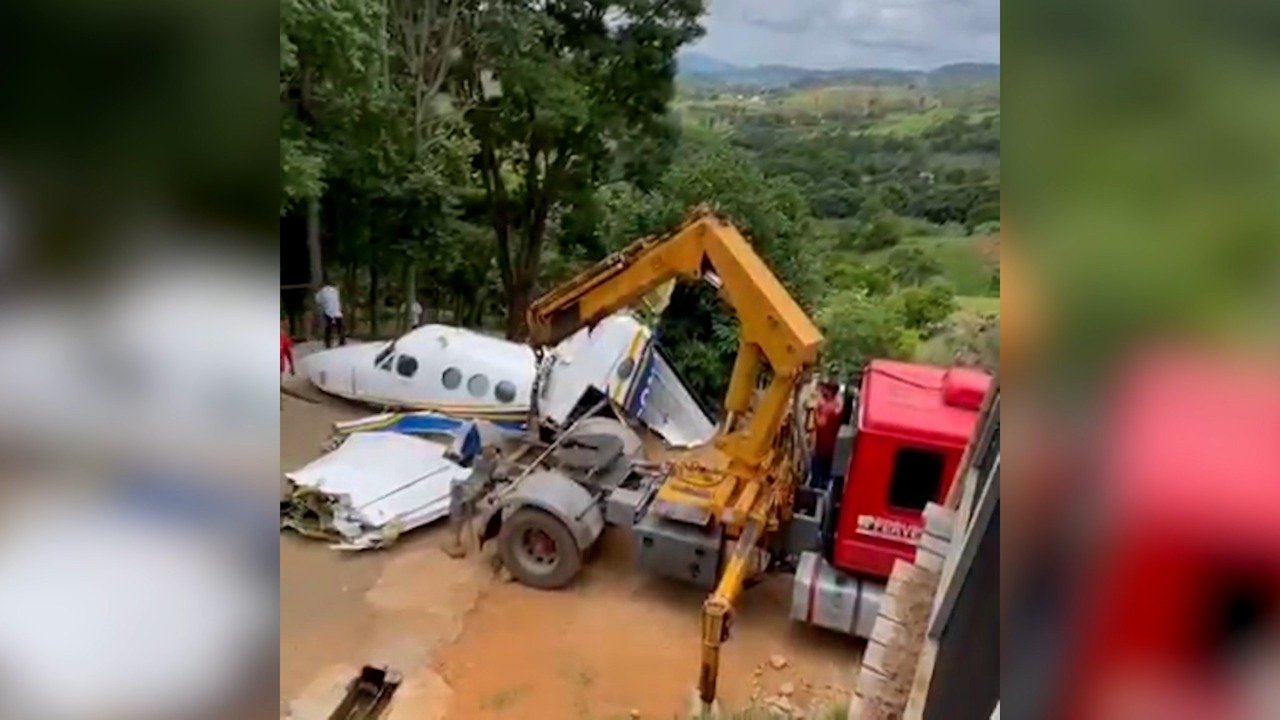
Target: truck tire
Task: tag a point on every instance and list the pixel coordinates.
(538, 550)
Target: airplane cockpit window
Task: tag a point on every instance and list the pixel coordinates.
(505, 391)
(478, 385)
(406, 365)
(383, 359)
(451, 378)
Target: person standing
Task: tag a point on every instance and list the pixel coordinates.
(826, 428)
(330, 304)
(286, 350)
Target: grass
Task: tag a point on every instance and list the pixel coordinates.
(911, 123)
(850, 98)
(981, 305)
(963, 264)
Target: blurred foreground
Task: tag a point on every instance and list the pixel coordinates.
(138, 407)
(1141, 549)
(138, 539)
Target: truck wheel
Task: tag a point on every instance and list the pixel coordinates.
(538, 550)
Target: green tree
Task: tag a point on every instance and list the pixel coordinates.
(912, 266)
(371, 145)
(698, 330)
(842, 273)
(577, 79)
(858, 328)
(925, 308)
(881, 231)
(983, 213)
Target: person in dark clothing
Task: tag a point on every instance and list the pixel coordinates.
(847, 403)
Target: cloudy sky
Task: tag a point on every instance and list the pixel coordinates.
(910, 34)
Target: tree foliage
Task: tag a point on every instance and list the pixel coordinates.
(578, 79)
(370, 132)
(699, 331)
(480, 152)
(911, 266)
(924, 308)
(857, 328)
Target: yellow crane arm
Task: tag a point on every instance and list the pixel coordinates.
(774, 329)
(774, 333)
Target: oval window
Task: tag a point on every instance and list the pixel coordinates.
(505, 391)
(406, 365)
(625, 368)
(451, 378)
(478, 385)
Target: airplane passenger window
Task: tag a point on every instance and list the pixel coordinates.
(625, 368)
(505, 391)
(451, 378)
(406, 365)
(478, 385)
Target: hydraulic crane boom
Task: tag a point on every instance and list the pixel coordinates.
(774, 329)
(747, 483)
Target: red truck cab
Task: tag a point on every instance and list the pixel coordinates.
(913, 424)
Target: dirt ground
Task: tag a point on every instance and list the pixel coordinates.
(472, 646)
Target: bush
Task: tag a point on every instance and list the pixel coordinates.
(991, 227)
(884, 230)
(844, 274)
(966, 340)
(911, 266)
(915, 226)
(926, 308)
(983, 213)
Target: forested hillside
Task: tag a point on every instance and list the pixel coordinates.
(472, 155)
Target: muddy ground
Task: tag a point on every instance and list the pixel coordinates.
(473, 646)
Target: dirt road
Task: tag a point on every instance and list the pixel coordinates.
(472, 646)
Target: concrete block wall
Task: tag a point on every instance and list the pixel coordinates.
(888, 668)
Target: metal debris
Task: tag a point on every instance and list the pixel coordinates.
(368, 694)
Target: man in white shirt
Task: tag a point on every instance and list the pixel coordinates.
(330, 305)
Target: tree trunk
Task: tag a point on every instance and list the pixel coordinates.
(518, 297)
(351, 316)
(410, 296)
(315, 261)
(373, 300)
(313, 243)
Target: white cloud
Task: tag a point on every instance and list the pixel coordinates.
(853, 33)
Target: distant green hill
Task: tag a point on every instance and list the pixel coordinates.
(698, 68)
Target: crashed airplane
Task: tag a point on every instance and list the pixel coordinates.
(463, 373)
(435, 367)
(446, 387)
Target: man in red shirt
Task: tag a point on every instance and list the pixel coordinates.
(286, 352)
(826, 427)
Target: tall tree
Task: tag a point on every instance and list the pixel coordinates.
(577, 78)
(368, 131)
